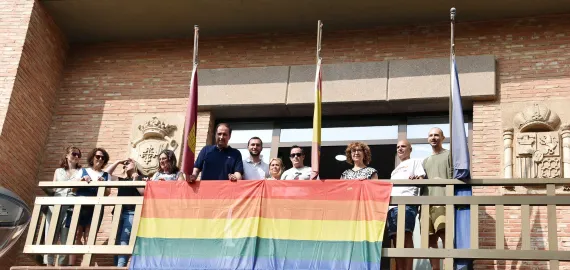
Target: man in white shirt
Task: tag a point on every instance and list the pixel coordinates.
(407, 169)
(254, 167)
(299, 170)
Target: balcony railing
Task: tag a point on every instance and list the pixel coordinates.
(37, 243)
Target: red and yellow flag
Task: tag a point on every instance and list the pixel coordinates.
(189, 150)
(316, 145)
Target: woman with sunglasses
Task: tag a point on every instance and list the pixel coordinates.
(97, 159)
(130, 172)
(68, 170)
(167, 169)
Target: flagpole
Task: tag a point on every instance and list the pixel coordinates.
(189, 143)
(196, 33)
(316, 142)
(452, 12)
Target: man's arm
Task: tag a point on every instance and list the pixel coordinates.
(198, 165)
(238, 168)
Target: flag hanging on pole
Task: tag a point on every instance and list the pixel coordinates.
(189, 142)
(316, 146)
(461, 169)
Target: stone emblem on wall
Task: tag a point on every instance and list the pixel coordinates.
(151, 134)
(540, 148)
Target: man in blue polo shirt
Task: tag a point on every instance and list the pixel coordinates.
(220, 161)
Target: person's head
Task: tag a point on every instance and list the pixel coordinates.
(130, 166)
(435, 137)
(297, 156)
(167, 162)
(97, 158)
(404, 149)
(255, 146)
(358, 152)
(72, 156)
(223, 134)
(276, 167)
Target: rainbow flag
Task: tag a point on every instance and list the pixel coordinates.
(262, 225)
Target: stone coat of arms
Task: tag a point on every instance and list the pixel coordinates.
(154, 136)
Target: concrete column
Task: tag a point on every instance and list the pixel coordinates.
(508, 152)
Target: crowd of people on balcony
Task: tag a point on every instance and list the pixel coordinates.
(222, 162)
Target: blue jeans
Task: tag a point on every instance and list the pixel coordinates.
(124, 234)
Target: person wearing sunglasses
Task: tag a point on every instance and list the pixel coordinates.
(97, 159)
(299, 170)
(68, 170)
(130, 172)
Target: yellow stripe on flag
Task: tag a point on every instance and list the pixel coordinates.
(315, 230)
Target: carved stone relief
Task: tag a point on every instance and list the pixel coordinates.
(538, 147)
(153, 133)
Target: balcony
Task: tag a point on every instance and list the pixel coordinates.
(39, 243)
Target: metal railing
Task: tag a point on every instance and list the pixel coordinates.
(35, 245)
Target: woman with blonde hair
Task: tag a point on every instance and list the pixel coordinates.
(276, 169)
(359, 155)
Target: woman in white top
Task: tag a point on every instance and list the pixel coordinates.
(97, 160)
(167, 169)
(68, 170)
(275, 169)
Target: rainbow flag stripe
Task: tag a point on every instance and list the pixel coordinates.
(262, 225)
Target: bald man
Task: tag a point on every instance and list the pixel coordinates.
(437, 166)
(407, 169)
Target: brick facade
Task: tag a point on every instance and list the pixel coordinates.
(104, 85)
(32, 68)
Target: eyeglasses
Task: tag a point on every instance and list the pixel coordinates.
(75, 154)
(98, 157)
(356, 150)
(296, 155)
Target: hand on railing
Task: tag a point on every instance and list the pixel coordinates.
(86, 179)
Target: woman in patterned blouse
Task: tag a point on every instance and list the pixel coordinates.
(359, 155)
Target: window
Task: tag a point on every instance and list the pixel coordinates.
(364, 133)
(265, 154)
(422, 151)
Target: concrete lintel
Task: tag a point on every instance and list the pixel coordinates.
(242, 86)
(429, 78)
(346, 82)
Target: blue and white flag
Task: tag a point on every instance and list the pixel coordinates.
(461, 168)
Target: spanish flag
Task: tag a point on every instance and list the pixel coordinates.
(316, 146)
(189, 150)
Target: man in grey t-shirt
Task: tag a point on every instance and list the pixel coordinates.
(299, 170)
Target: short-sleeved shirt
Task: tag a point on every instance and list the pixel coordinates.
(61, 175)
(438, 166)
(407, 168)
(364, 173)
(216, 163)
(255, 171)
(303, 173)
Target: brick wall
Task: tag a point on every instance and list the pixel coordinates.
(14, 19)
(29, 101)
(104, 85)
